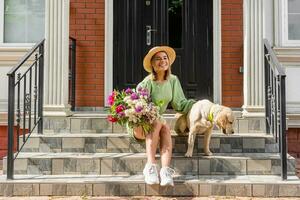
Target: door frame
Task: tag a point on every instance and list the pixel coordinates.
(217, 49)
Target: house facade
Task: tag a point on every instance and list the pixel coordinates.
(220, 56)
(219, 46)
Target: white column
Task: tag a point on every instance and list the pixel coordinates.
(56, 58)
(109, 14)
(254, 57)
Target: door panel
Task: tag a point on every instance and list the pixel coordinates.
(185, 25)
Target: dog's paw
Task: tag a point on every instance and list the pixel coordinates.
(188, 154)
(208, 153)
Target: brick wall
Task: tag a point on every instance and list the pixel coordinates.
(293, 138)
(3, 140)
(232, 52)
(87, 26)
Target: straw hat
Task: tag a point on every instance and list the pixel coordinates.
(147, 59)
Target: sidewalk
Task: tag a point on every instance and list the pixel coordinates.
(143, 198)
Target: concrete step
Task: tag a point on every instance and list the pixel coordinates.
(113, 143)
(133, 163)
(202, 186)
(98, 123)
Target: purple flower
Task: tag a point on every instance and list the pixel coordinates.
(134, 96)
(128, 91)
(121, 114)
(138, 109)
(139, 89)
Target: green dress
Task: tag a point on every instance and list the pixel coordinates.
(169, 91)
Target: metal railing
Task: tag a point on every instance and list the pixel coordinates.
(25, 91)
(72, 73)
(275, 103)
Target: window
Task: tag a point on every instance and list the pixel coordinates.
(291, 22)
(22, 21)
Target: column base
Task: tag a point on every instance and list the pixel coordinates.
(253, 111)
(57, 110)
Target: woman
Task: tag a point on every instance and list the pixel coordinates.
(164, 88)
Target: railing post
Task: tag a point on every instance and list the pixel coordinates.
(11, 113)
(73, 80)
(41, 89)
(283, 129)
(267, 82)
(72, 73)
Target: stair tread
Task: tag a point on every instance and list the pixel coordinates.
(196, 179)
(116, 135)
(143, 155)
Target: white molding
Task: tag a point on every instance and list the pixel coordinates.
(108, 61)
(284, 24)
(217, 55)
(277, 23)
(2, 31)
(14, 49)
(217, 66)
(293, 120)
(1, 21)
(3, 105)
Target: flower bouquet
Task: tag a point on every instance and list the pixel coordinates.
(133, 108)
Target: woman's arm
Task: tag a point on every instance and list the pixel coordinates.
(179, 102)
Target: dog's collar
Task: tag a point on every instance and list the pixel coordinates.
(212, 111)
(210, 116)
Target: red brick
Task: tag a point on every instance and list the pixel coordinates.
(86, 10)
(3, 153)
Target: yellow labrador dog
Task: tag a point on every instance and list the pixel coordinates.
(201, 119)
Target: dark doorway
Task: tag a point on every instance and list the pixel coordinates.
(185, 25)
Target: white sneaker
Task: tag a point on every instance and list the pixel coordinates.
(166, 176)
(151, 174)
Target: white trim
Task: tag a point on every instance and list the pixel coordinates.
(30, 45)
(2, 44)
(277, 23)
(284, 24)
(217, 55)
(108, 61)
(1, 21)
(217, 65)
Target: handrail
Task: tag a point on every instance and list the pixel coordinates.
(275, 103)
(72, 73)
(28, 89)
(26, 57)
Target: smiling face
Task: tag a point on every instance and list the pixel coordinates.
(160, 62)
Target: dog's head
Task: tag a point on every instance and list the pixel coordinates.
(225, 120)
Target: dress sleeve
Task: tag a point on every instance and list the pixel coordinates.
(146, 83)
(179, 102)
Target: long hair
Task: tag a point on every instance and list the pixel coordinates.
(167, 73)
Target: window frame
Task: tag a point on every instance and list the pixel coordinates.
(285, 26)
(2, 43)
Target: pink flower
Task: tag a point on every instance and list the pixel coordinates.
(120, 108)
(111, 99)
(111, 118)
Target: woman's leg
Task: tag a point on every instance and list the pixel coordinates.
(165, 145)
(152, 142)
(166, 152)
